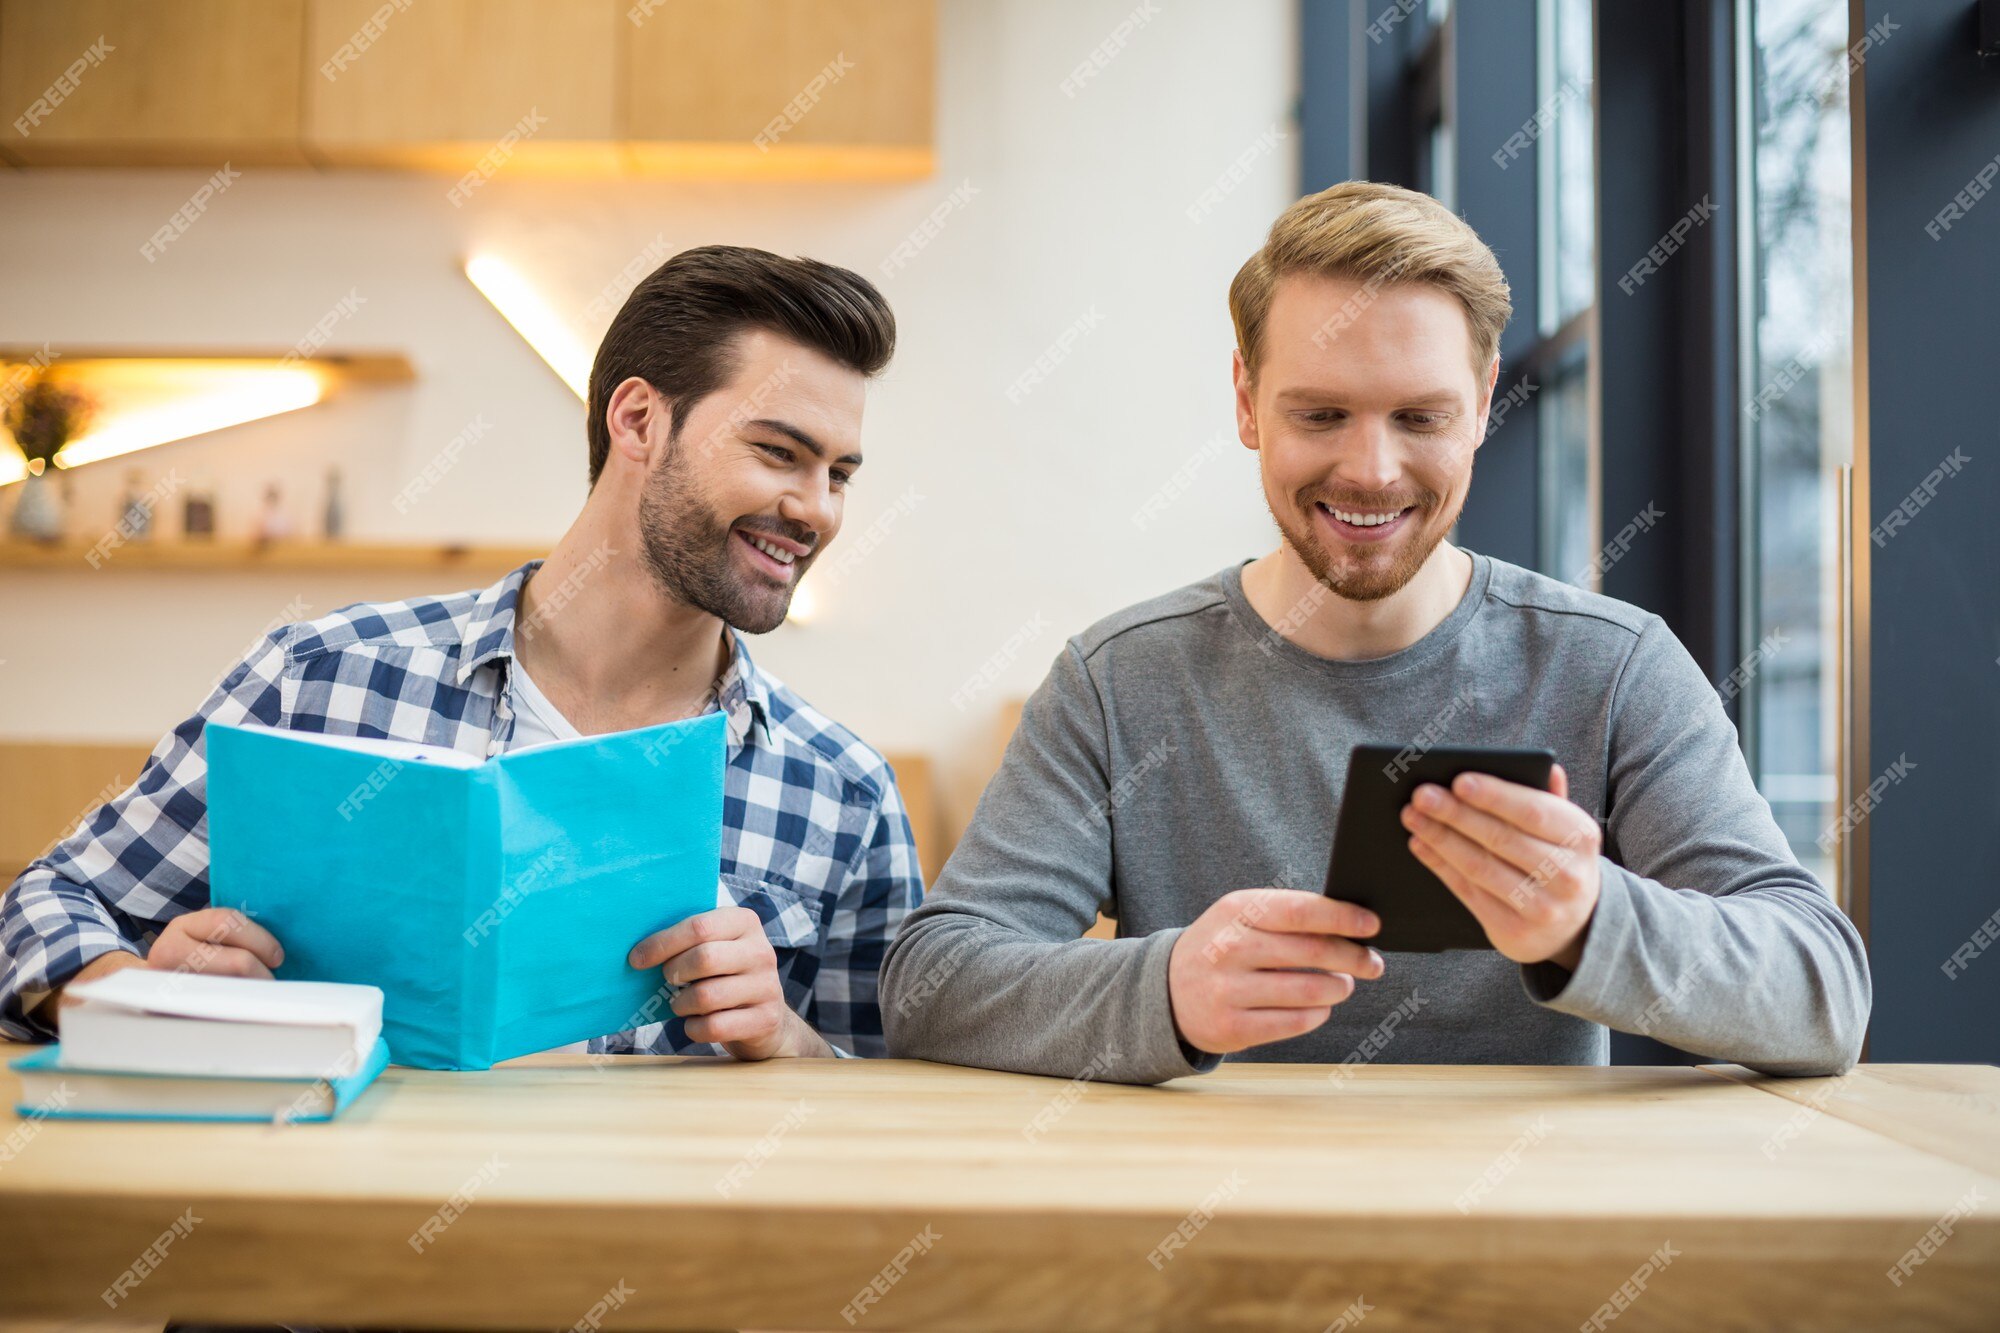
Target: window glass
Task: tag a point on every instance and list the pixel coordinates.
(1798, 415)
(1566, 225)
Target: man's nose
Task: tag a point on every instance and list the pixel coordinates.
(812, 506)
(1368, 458)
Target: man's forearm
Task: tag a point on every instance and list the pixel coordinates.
(961, 988)
(50, 1009)
(1772, 977)
(51, 928)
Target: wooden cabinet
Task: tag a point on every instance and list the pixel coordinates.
(689, 88)
(151, 82)
(462, 85)
(780, 87)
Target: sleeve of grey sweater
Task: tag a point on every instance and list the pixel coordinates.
(990, 970)
(1708, 934)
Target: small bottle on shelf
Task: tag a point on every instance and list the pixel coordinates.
(135, 510)
(336, 515)
(198, 510)
(273, 523)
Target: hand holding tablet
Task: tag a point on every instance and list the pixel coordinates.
(1467, 848)
(1461, 847)
(1262, 965)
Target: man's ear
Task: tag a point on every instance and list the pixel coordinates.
(1246, 404)
(637, 420)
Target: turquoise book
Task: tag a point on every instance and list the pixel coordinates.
(51, 1089)
(493, 901)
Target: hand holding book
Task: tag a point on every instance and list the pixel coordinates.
(725, 978)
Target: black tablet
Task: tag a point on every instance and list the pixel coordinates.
(1372, 863)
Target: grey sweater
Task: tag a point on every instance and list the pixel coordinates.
(1183, 748)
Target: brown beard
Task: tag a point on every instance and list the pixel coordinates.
(1375, 574)
(685, 548)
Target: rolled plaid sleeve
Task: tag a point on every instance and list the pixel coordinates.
(883, 886)
(134, 863)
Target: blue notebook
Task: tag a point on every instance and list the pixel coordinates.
(49, 1091)
(493, 902)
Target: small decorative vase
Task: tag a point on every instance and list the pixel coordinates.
(38, 514)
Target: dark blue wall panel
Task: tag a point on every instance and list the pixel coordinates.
(1933, 283)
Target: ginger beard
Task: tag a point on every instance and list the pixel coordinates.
(1365, 570)
(692, 554)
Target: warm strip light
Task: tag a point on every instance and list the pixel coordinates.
(534, 319)
(249, 395)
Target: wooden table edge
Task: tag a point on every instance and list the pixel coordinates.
(1941, 1134)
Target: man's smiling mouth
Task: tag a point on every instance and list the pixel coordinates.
(1362, 525)
(778, 557)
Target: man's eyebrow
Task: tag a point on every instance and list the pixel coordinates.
(1424, 398)
(802, 439)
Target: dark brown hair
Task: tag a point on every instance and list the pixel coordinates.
(677, 330)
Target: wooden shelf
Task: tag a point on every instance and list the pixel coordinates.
(286, 557)
(374, 367)
(214, 389)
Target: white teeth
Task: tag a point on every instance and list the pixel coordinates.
(777, 553)
(1361, 520)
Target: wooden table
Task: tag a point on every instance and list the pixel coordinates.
(661, 1193)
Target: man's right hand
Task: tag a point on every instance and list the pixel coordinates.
(219, 941)
(1232, 976)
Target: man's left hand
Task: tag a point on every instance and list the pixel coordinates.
(729, 991)
(1523, 861)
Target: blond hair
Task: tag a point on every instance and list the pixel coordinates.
(1376, 234)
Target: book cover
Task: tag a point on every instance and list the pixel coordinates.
(51, 1090)
(493, 902)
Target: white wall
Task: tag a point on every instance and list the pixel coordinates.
(1026, 509)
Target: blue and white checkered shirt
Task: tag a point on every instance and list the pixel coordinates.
(814, 836)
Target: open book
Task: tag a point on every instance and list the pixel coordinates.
(493, 901)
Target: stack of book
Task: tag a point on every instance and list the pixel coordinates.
(145, 1045)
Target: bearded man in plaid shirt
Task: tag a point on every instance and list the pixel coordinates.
(724, 425)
